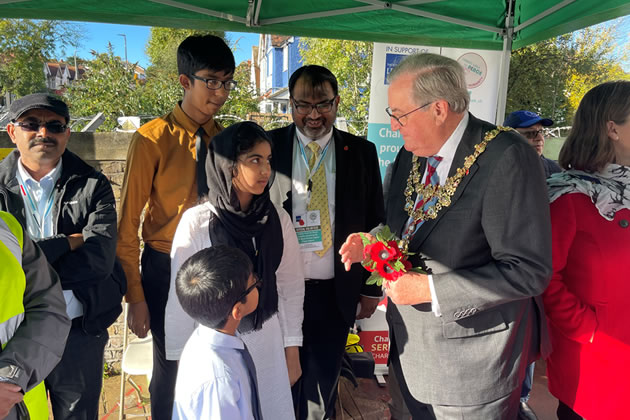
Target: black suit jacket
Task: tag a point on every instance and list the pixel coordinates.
(490, 252)
(358, 203)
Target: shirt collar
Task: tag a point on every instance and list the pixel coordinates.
(322, 141)
(218, 339)
(189, 125)
(53, 175)
(448, 149)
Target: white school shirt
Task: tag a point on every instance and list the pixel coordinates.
(39, 192)
(447, 153)
(315, 267)
(212, 378)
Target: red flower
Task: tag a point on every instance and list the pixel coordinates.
(380, 252)
(407, 265)
(387, 271)
(396, 251)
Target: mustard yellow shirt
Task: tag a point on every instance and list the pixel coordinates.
(161, 174)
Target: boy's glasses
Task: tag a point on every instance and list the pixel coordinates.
(214, 84)
(305, 109)
(257, 284)
(54, 127)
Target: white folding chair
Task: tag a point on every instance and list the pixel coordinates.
(137, 360)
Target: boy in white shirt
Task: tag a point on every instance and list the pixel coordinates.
(216, 377)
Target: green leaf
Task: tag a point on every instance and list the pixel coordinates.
(399, 266)
(364, 239)
(418, 270)
(373, 279)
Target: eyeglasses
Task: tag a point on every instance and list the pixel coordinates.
(399, 119)
(214, 84)
(305, 109)
(531, 135)
(257, 284)
(54, 127)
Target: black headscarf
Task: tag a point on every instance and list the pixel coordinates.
(257, 232)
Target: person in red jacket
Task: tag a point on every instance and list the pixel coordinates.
(588, 299)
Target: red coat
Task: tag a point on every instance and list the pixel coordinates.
(589, 293)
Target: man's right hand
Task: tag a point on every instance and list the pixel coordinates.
(138, 318)
(10, 395)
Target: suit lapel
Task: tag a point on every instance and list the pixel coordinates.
(283, 159)
(472, 135)
(342, 176)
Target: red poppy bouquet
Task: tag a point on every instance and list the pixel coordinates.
(384, 257)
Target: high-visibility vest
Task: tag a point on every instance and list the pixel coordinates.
(13, 287)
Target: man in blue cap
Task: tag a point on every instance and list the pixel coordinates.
(530, 125)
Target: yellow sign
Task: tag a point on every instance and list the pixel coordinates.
(4, 151)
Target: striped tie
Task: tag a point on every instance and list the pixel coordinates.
(433, 179)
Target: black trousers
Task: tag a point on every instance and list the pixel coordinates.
(75, 383)
(325, 334)
(156, 278)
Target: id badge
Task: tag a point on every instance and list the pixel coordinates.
(309, 231)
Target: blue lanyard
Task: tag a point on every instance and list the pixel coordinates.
(309, 173)
(39, 220)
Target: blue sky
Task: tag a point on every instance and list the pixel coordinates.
(98, 35)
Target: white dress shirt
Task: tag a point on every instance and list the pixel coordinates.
(315, 267)
(38, 198)
(212, 378)
(447, 153)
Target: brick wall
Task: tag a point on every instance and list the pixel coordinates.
(107, 153)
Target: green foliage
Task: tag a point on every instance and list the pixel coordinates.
(551, 77)
(108, 87)
(351, 63)
(162, 46)
(24, 47)
(243, 100)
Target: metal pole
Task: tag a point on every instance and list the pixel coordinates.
(126, 62)
(505, 63)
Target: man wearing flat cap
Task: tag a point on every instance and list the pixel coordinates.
(68, 208)
(530, 125)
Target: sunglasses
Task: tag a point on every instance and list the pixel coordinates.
(54, 127)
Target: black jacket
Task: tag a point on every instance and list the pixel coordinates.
(84, 204)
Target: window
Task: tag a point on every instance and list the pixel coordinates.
(285, 58)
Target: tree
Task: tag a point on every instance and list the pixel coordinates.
(25, 45)
(108, 86)
(551, 77)
(162, 46)
(351, 63)
(243, 100)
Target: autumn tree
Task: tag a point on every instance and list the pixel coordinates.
(25, 45)
(551, 76)
(351, 63)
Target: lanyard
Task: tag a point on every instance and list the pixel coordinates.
(39, 220)
(310, 173)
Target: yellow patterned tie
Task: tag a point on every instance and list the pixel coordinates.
(319, 197)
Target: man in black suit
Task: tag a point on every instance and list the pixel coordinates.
(329, 182)
(462, 335)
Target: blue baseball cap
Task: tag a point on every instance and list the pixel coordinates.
(523, 119)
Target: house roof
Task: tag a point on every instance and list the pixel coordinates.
(279, 40)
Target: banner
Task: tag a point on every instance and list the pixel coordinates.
(482, 77)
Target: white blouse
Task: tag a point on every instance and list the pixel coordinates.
(192, 235)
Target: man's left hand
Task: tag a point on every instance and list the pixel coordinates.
(409, 289)
(368, 306)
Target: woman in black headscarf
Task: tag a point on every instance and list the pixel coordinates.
(239, 213)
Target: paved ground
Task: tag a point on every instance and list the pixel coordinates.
(367, 402)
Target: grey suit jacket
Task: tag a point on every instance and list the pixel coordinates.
(358, 203)
(490, 254)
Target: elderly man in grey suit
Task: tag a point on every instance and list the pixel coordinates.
(462, 335)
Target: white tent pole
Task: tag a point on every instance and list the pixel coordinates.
(504, 71)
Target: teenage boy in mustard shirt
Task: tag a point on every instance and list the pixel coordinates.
(166, 173)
